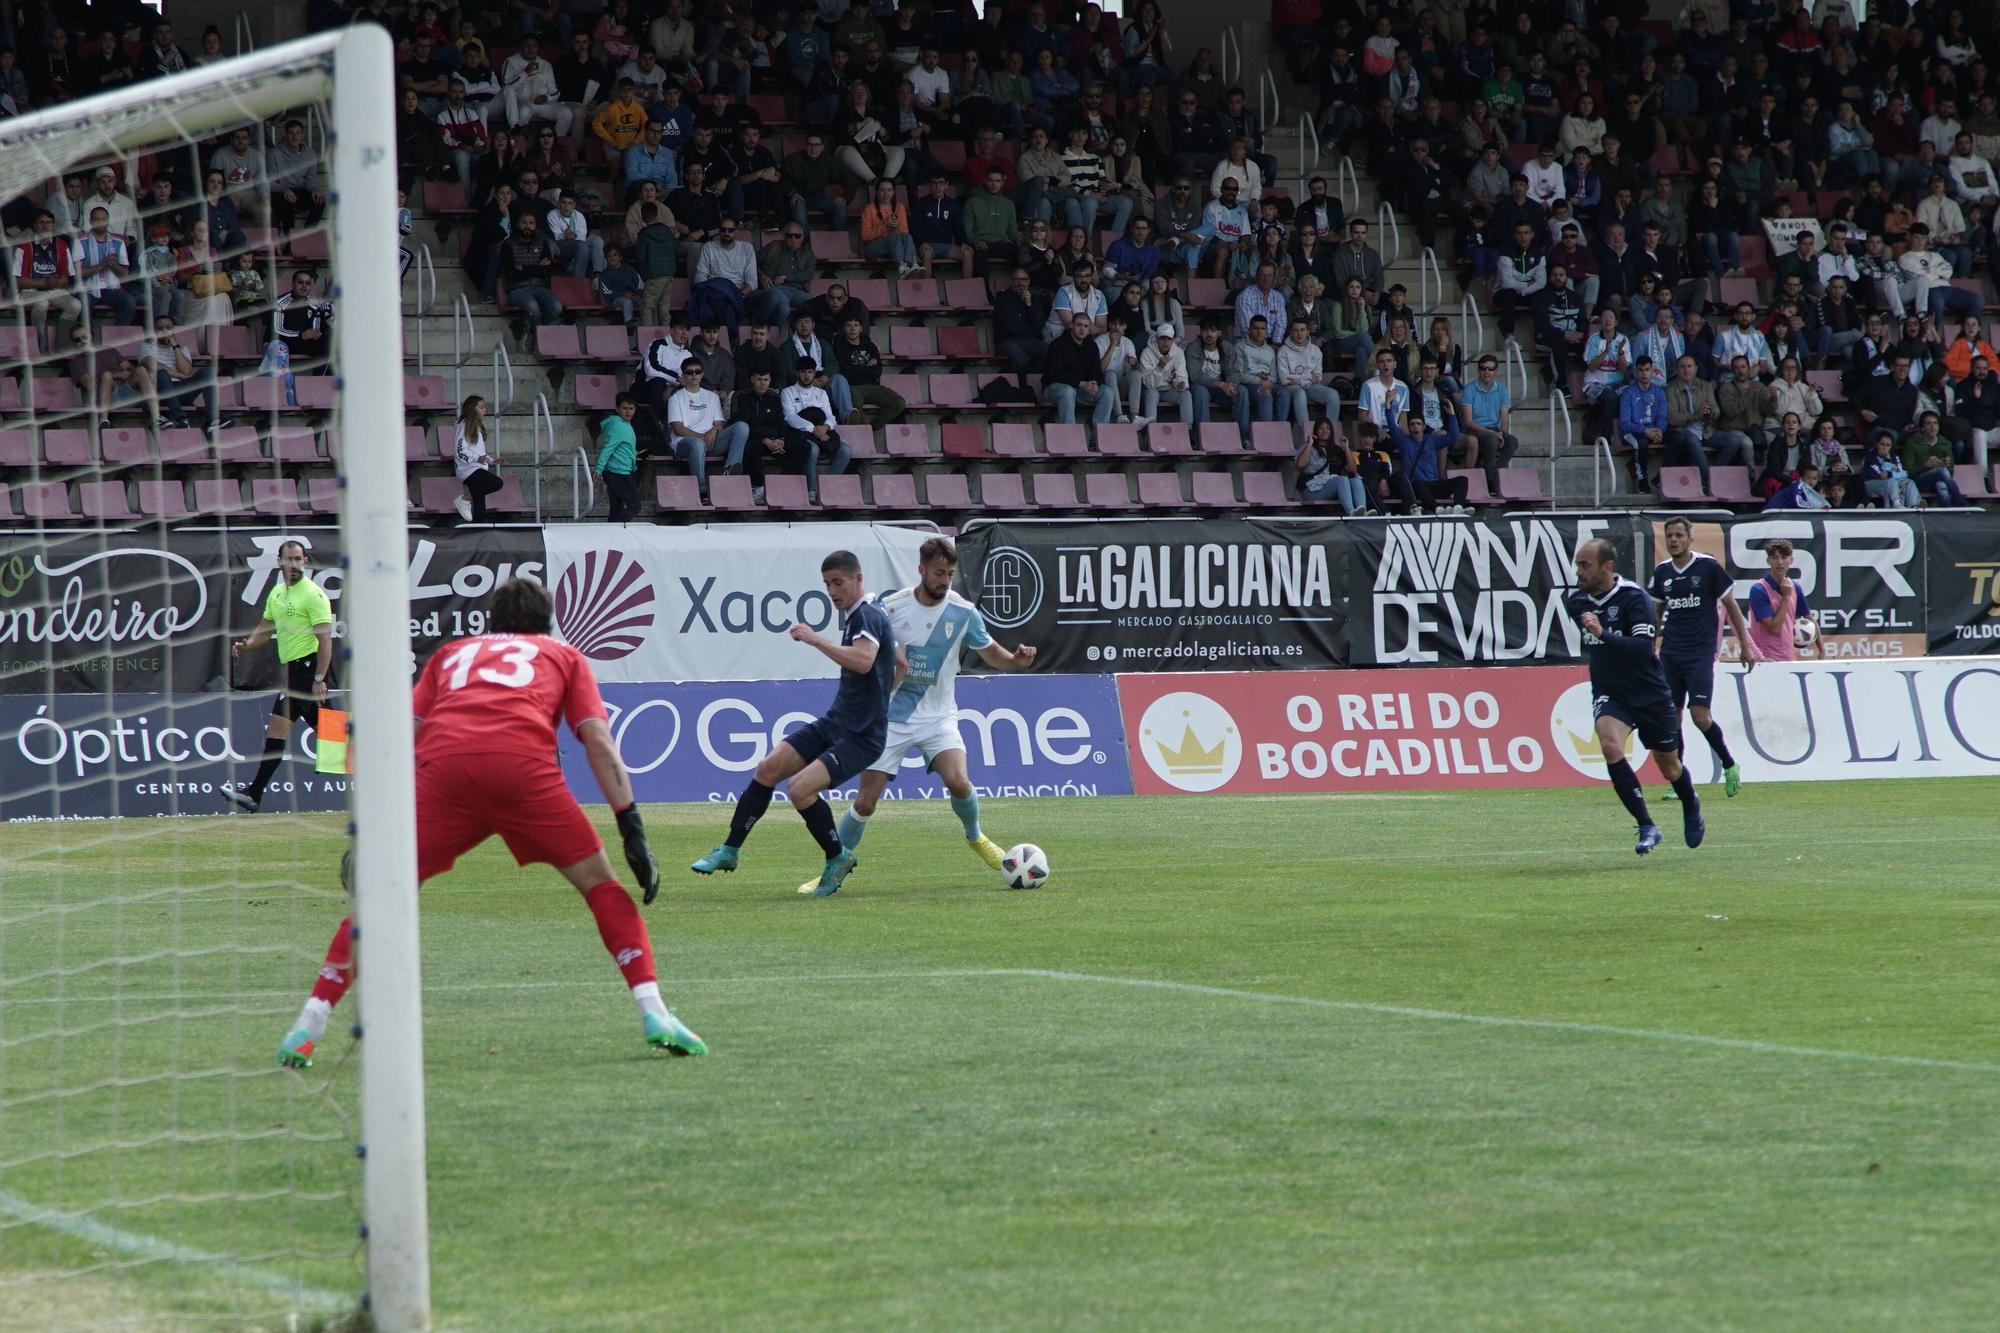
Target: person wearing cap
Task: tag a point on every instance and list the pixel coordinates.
(1163, 374)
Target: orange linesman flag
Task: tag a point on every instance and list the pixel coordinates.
(331, 750)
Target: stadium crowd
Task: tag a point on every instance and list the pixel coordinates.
(1631, 191)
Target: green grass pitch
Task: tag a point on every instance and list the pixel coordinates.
(1426, 1062)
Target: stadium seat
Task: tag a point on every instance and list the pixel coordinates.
(559, 342)
(264, 393)
(1169, 439)
(598, 393)
(606, 342)
(965, 439)
(872, 293)
(323, 495)
(186, 445)
(508, 499)
(162, 499)
(1731, 485)
(230, 342)
(1013, 439)
(731, 495)
(834, 247)
(1001, 492)
(1265, 490)
(860, 440)
(1160, 490)
(1106, 490)
(948, 491)
(910, 388)
(10, 394)
(906, 440)
(67, 448)
(103, 501)
(446, 199)
(952, 390)
(1118, 439)
(424, 393)
(918, 293)
(1213, 490)
(1523, 485)
(913, 342)
(967, 294)
(786, 491)
(1055, 490)
(18, 344)
(275, 497)
(1066, 441)
(311, 247)
(1682, 485)
(1220, 438)
(1273, 439)
(17, 448)
(958, 342)
(122, 444)
(437, 495)
(1972, 482)
(295, 444)
(1208, 294)
(237, 446)
(47, 501)
(842, 492)
(1735, 291)
(48, 393)
(578, 295)
(894, 490)
(677, 494)
(218, 496)
(1475, 486)
(8, 513)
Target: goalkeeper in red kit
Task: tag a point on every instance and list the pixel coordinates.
(486, 713)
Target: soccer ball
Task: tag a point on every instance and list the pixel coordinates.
(1025, 866)
(1805, 633)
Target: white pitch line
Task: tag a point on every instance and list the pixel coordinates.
(140, 1246)
(1500, 1021)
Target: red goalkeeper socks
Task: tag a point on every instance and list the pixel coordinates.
(336, 974)
(623, 931)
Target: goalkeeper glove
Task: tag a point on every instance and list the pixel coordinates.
(638, 855)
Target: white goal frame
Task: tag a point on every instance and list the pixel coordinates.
(355, 67)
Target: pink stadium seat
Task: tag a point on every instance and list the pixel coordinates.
(1220, 437)
(1682, 485)
(416, 446)
(10, 394)
(17, 344)
(323, 495)
(295, 444)
(185, 445)
(559, 342)
(1731, 485)
(1166, 439)
(1118, 440)
(913, 342)
(162, 499)
(948, 490)
(1055, 490)
(787, 491)
(237, 445)
(731, 494)
(49, 393)
(275, 497)
(578, 295)
(904, 440)
(1208, 294)
(1213, 490)
(861, 440)
(445, 199)
(1972, 482)
(677, 494)
(607, 342)
(67, 448)
(1066, 441)
(45, 500)
(1013, 439)
(872, 293)
(123, 445)
(1475, 487)
(952, 390)
(958, 342)
(1160, 490)
(841, 492)
(229, 342)
(262, 393)
(103, 500)
(508, 499)
(1828, 382)
(911, 388)
(218, 496)
(425, 393)
(311, 247)
(834, 247)
(1000, 492)
(1273, 439)
(1106, 490)
(1265, 490)
(917, 292)
(966, 439)
(437, 495)
(1522, 485)
(966, 294)
(894, 490)
(17, 448)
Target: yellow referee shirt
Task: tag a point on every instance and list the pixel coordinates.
(294, 609)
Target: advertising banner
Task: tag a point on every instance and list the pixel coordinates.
(78, 756)
(1532, 727)
(1162, 595)
(149, 612)
(1024, 736)
(1962, 600)
(710, 602)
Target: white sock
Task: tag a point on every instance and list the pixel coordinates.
(313, 1017)
(647, 996)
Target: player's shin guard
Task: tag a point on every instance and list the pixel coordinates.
(967, 810)
(750, 808)
(852, 826)
(1626, 783)
(336, 974)
(623, 931)
(1713, 734)
(819, 822)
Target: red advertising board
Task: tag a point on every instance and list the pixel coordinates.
(1334, 731)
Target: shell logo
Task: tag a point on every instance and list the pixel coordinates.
(605, 605)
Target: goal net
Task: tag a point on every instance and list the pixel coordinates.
(200, 361)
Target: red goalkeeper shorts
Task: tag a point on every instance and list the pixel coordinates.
(463, 799)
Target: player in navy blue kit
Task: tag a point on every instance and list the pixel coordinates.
(1688, 587)
(1627, 687)
(833, 748)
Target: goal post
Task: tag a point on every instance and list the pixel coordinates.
(348, 77)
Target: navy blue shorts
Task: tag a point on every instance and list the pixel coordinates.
(1690, 682)
(845, 753)
(1658, 723)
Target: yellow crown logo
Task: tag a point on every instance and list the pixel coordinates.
(1192, 756)
(1587, 748)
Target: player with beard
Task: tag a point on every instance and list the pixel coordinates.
(1693, 591)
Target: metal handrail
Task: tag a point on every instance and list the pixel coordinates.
(421, 262)
(1386, 225)
(1558, 400)
(1601, 462)
(1512, 359)
(1229, 45)
(1308, 128)
(1427, 271)
(1347, 179)
(1269, 81)
(502, 358)
(1470, 318)
(538, 414)
(581, 460)
(246, 41)
(461, 352)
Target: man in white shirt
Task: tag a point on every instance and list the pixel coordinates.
(1385, 400)
(1932, 274)
(1836, 259)
(660, 367)
(529, 84)
(697, 429)
(102, 261)
(1972, 175)
(1120, 360)
(1940, 128)
(570, 231)
(1743, 339)
(122, 213)
(1545, 177)
(1080, 299)
(809, 412)
(932, 82)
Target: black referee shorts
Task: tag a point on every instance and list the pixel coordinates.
(296, 698)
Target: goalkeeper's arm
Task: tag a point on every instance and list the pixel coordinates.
(616, 784)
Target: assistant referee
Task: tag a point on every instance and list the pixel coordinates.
(299, 614)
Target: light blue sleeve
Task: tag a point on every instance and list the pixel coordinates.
(976, 633)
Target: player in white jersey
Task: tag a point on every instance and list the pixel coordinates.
(934, 625)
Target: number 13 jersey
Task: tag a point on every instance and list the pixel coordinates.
(502, 694)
